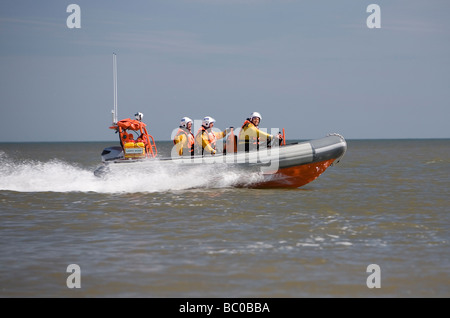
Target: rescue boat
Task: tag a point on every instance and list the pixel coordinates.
(279, 164)
(284, 165)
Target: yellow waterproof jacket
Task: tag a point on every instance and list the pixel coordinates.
(205, 140)
(251, 134)
(184, 142)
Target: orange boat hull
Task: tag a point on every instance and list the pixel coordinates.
(295, 177)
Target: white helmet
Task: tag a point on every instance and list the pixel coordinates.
(255, 114)
(139, 116)
(207, 121)
(184, 121)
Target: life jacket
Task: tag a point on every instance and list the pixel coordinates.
(125, 137)
(248, 139)
(231, 143)
(211, 139)
(190, 140)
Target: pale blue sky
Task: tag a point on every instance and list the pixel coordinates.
(312, 67)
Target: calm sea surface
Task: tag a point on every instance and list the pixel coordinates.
(172, 233)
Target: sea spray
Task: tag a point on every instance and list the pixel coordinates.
(153, 176)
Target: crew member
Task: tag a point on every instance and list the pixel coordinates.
(205, 140)
(250, 135)
(184, 139)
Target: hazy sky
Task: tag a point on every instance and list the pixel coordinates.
(313, 67)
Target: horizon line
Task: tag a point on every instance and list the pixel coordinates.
(169, 140)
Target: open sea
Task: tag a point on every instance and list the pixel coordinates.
(174, 233)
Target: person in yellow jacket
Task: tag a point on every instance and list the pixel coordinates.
(184, 139)
(250, 135)
(205, 140)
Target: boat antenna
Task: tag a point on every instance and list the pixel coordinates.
(114, 111)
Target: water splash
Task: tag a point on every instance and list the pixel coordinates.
(60, 176)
